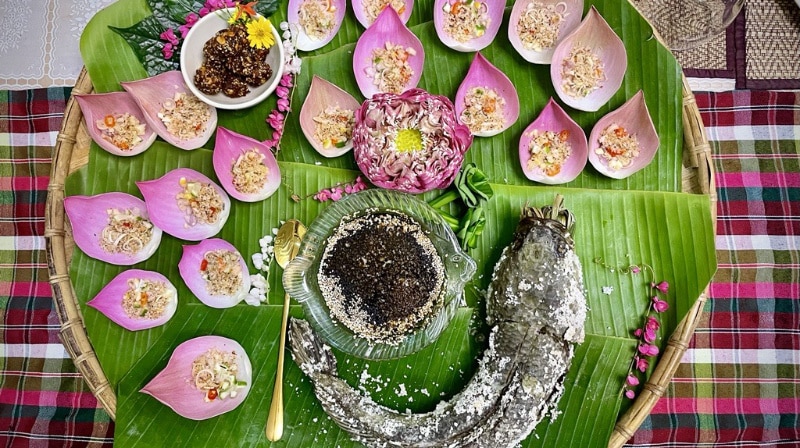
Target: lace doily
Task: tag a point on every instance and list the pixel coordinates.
(39, 45)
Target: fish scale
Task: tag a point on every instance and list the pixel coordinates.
(537, 308)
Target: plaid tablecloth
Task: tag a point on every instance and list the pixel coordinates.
(739, 384)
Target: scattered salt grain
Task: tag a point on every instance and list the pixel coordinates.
(607, 290)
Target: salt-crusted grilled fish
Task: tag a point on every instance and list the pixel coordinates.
(536, 307)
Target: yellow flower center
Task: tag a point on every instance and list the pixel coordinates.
(408, 140)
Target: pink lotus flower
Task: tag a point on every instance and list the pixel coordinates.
(410, 142)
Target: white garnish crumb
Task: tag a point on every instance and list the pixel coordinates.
(607, 290)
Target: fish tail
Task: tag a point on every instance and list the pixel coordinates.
(308, 351)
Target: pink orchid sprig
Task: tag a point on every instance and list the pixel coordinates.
(339, 190)
(172, 41)
(646, 334)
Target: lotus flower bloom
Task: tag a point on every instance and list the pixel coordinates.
(589, 64)
(467, 25)
(113, 227)
(182, 386)
(318, 21)
(327, 118)
(624, 141)
(486, 101)
(115, 123)
(388, 57)
(245, 167)
(137, 300)
(368, 11)
(186, 204)
(172, 111)
(536, 27)
(410, 142)
(215, 272)
(553, 148)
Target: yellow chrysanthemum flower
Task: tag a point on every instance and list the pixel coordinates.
(259, 33)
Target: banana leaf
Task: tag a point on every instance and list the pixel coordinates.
(642, 219)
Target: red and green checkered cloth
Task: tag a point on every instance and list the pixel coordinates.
(739, 384)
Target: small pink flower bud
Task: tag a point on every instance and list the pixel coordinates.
(630, 394)
(659, 305)
(637, 332)
(649, 335)
(663, 286)
(648, 349)
(636, 269)
(632, 380)
(642, 364)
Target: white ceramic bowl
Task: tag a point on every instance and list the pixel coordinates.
(192, 57)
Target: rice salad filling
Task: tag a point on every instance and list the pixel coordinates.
(215, 374)
(390, 71)
(333, 127)
(374, 7)
(184, 116)
(222, 272)
(200, 202)
(484, 111)
(124, 131)
(146, 299)
(618, 148)
(317, 17)
(549, 151)
(539, 25)
(582, 71)
(250, 172)
(466, 19)
(127, 231)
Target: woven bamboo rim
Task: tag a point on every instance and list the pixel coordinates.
(72, 150)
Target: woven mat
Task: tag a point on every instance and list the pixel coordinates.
(760, 50)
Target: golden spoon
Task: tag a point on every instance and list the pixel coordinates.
(287, 244)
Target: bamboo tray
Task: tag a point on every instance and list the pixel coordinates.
(72, 152)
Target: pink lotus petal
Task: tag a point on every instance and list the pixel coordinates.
(554, 119)
(573, 9)
(109, 300)
(89, 216)
(595, 34)
(174, 386)
(387, 28)
(160, 196)
(189, 267)
(494, 10)
(150, 94)
(363, 19)
(483, 74)
(635, 118)
(321, 95)
(96, 106)
(304, 41)
(228, 147)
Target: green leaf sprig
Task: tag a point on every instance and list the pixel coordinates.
(472, 187)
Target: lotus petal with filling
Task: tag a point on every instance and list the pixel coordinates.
(491, 9)
(360, 11)
(595, 34)
(410, 142)
(387, 29)
(554, 119)
(634, 117)
(97, 106)
(229, 146)
(89, 216)
(174, 386)
(190, 269)
(483, 74)
(321, 95)
(110, 299)
(304, 41)
(569, 11)
(161, 197)
(151, 93)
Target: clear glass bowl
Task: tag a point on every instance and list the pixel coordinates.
(300, 276)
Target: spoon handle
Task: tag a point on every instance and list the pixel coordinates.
(275, 419)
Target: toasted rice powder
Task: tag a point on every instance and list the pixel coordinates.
(124, 131)
(617, 147)
(484, 110)
(127, 231)
(374, 7)
(334, 126)
(146, 299)
(250, 172)
(583, 72)
(539, 25)
(390, 70)
(466, 20)
(549, 150)
(200, 202)
(215, 374)
(184, 116)
(317, 17)
(222, 272)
